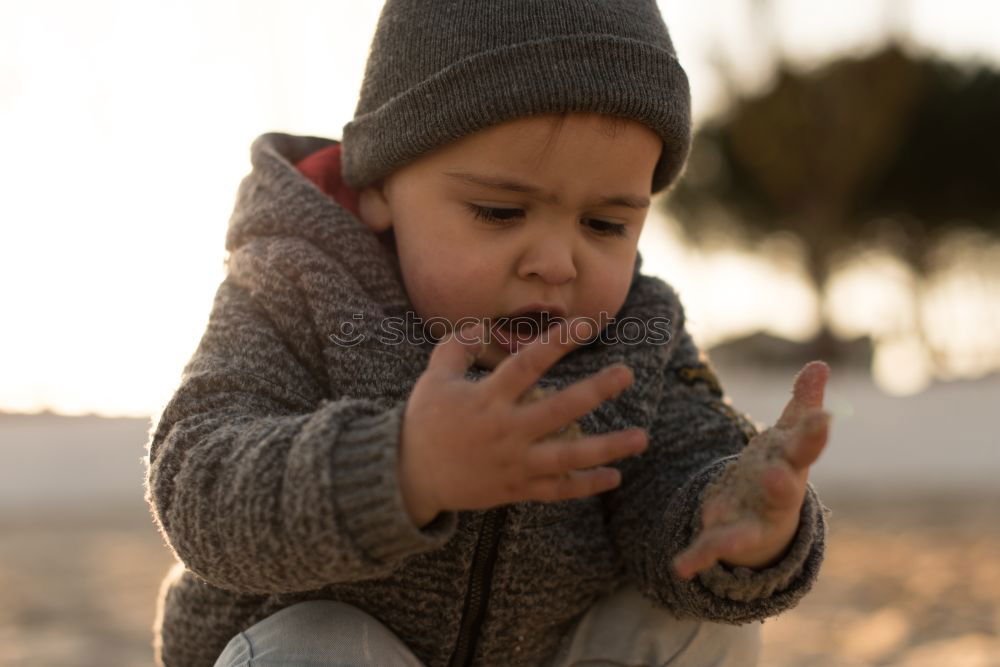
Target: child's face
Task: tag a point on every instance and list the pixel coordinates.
(549, 205)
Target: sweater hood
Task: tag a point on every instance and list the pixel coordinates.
(277, 199)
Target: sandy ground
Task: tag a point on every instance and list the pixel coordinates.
(911, 582)
(914, 584)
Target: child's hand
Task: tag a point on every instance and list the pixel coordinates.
(468, 445)
(751, 513)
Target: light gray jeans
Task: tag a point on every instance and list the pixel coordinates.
(622, 630)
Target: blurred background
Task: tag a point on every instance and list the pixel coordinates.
(841, 203)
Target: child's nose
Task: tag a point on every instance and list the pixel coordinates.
(550, 258)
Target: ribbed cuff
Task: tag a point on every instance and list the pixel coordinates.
(367, 492)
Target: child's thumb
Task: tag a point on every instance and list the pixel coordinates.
(459, 350)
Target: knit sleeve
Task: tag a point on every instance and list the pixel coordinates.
(260, 483)
(655, 513)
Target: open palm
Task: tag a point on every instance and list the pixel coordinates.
(750, 515)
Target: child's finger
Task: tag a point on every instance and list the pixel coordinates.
(552, 412)
(554, 457)
(572, 484)
(519, 372)
(807, 441)
(807, 393)
(716, 543)
(454, 354)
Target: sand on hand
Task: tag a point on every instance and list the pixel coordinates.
(738, 493)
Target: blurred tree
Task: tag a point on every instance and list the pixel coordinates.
(888, 148)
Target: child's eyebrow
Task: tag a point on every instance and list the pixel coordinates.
(501, 183)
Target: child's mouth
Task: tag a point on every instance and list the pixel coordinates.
(511, 332)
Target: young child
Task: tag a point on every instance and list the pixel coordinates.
(341, 490)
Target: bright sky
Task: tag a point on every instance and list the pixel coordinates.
(126, 128)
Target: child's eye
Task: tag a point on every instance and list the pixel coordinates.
(500, 216)
(495, 216)
(605, 228)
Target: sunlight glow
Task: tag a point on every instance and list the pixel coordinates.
(127, 129)
(900, 366)
(873, 294)
(727, 293)
(960, 316)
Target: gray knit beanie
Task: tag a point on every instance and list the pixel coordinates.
(441, 69)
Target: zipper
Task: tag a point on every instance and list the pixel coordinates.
(478, 594)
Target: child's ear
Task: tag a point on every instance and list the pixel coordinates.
(374, 207)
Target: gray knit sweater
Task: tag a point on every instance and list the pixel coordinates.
(271, 472)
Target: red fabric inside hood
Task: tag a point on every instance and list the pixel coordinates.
(323, 169)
